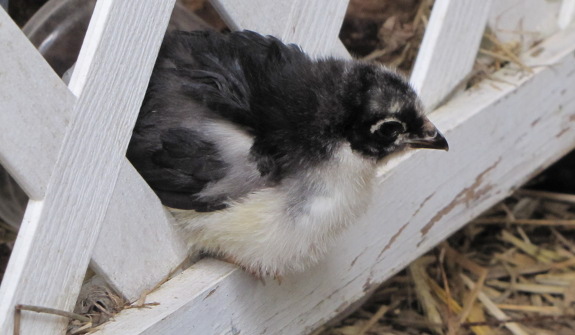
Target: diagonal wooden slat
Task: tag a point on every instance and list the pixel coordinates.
(258, 15)
(500, 135)
(138, 246)
(27, 80)
(449, 48)
(32, 127)
(58, 233)
(314, 25)
(320, 18)
(566, 13)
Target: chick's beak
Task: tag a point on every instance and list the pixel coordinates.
(428, 138)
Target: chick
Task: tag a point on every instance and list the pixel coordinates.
(263, 154)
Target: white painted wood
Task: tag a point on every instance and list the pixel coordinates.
(258, 15)
(566, 13)
(499, 134)
(26, 81)
(58, 233)
(449, 48)
(32, 126)
(314, 25)
(138, 245)
(524, 22)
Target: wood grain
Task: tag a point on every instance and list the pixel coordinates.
(58, 233)
(500, 135)
(34, 110)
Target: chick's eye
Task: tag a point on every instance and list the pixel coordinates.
(388, 129)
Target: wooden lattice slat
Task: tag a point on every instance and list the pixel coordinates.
(58, 233)
(138, 246)
(27, 80)
(566, 13)
(32, 127)
(314, 25)
(449, 48)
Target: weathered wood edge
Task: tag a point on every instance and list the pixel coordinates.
(58, 234)
(500, 135)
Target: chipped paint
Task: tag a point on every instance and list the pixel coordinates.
(392, 240)
(396, 235)
(355, 260)
(423, 203)
(562, 132)
(211, 292)
(367, 285)
(465, 196)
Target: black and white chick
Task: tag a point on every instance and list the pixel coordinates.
(263, 154)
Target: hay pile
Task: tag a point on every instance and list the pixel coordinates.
(511, 271)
